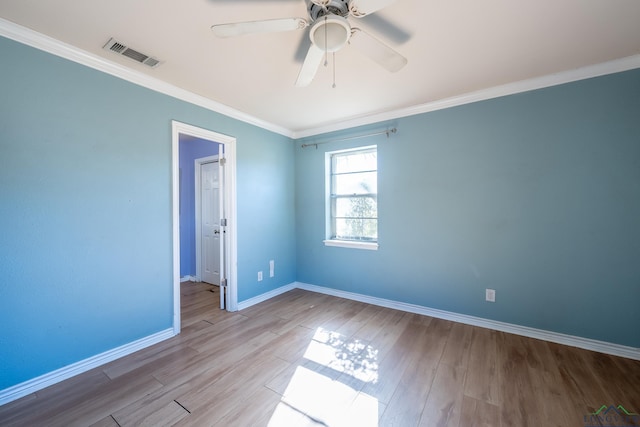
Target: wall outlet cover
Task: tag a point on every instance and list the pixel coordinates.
(490, 295)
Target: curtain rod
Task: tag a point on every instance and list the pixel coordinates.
(384, 132)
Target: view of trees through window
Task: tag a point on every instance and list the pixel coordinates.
(354, 195)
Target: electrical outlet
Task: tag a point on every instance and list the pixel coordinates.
(272, 271)
(490, 295)
(259, 276)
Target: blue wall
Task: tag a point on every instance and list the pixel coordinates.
(85, 210)
(268, 172)
(536, 195)
(190, 149)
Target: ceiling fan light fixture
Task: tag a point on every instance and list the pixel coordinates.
(330, 33)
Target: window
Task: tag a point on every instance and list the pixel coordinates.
(352, 198)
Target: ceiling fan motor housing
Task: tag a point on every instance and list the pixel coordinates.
(329, 7)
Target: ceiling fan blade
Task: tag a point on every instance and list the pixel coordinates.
(377, 51)
(360, 8)
(388, 28)
(310, 66)
(302, 49)
(257, 27)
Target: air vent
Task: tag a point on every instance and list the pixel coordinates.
(121, 49)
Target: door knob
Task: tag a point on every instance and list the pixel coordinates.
(216, 232)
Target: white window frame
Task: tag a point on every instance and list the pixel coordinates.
(329, 226)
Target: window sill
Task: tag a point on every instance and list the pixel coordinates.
(371, 246)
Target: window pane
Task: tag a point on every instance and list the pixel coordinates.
(356, 229)
(353, 197)
(356, 207)
(355, 162)
(355, 183)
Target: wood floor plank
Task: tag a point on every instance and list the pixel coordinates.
(209, 365)
(280, 383)
(418, 377)
(307, 359)
(543, 373)
(392, 365)
(102, 402)
(585, 391)
(58, 398)
(11, 413)
(299, 308)
(220, 397)
(482, 379)
(147, 362)
(261, 413)
(324, 318)
(457, 351)
(355, 323)
(478, 413)
(319, 397)
(143, 409)
(292, 345)
(519, 407)
(206, 333)
(628, 379)
(106, 422)
(166, 415)
(344, 318)
(383, 320)
(445, 401)
(614, 382)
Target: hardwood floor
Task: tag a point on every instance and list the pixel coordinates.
(307, 359)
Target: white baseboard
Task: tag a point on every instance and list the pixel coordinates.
(266, 296)
(15, 392)
(570, 340)
(19, 390)
(188, 279)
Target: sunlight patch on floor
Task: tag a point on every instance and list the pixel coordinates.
(352, 357)
(314, 399)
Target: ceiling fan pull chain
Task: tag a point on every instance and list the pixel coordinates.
(334, 70)
(326, 44)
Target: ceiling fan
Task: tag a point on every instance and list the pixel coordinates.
(329, 32)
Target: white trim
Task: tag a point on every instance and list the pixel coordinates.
(556, 337)
(198, 177)
(371, 246)
(231, 260)
(19, 390)
(188, 279)
(590, 71)
(48, 44)
(231, 208)
(266, 296)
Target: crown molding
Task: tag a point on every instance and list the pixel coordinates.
(50, 45)
(45, 43)
(610, 67)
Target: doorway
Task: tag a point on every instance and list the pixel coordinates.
(227, 229)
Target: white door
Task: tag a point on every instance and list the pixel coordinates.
(210, 222)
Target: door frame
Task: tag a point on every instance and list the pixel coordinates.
(231, 251)
(198, 221)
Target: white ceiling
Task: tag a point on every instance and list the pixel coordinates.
(453, 48)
